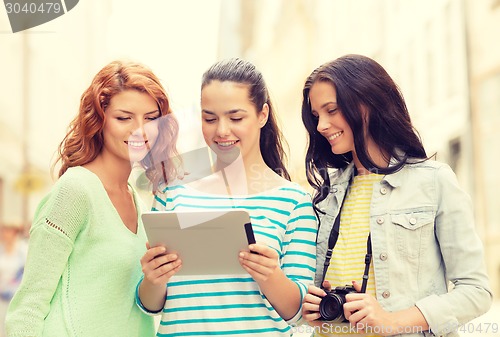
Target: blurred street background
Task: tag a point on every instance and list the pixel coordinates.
(444, 54)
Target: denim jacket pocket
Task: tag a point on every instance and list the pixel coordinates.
(413, 231)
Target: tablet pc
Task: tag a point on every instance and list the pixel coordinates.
(208, 242)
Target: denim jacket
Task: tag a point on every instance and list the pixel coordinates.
(423, 241)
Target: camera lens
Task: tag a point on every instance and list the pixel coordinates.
(331, 307)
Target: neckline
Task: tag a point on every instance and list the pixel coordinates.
(368, 176)
(110, 203)
(288, 184)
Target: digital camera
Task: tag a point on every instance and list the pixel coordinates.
(331, 307)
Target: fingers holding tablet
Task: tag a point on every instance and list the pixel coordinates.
(158, 266)
(261, 262)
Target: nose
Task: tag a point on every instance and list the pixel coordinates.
(223, 128)
(323, 124)
(138, 129)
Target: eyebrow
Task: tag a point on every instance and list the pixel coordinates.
(131, 113)
(233, 111)
(324, 105)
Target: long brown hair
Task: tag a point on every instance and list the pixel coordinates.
(271, 138)
(360, 81)
(84, 139)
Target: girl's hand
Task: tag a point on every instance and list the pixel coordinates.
(159, 267)
(261, 263)
(310, 306)
(363, 311)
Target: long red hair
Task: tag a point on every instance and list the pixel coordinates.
(84, 140)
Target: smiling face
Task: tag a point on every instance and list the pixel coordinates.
(129, 132)
(231, 123)
(331, 123)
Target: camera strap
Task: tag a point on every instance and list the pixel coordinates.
(332, 240)
(368, 258)
(334, 235)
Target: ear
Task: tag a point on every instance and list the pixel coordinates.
(263, 115)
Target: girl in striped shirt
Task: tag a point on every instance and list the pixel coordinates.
(239, 126)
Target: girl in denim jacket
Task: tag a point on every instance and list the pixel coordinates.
(422, 271)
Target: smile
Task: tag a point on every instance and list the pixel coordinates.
(136, 143)
(335, 135)
(227, 143)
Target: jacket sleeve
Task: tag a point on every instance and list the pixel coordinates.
(58, 220)
(299, 248)
(463, 257)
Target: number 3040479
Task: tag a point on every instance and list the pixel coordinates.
(33, 7)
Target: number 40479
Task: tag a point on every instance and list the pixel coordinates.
(472, 327)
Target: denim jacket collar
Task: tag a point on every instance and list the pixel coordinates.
(342, 176)
(394, 179)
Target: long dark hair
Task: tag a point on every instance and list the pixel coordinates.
(360, 82)
(271, 138)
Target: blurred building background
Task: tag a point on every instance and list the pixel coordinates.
(444, 54)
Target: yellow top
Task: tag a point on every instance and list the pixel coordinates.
(348, 259)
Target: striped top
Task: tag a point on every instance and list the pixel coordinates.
(233, 305)
(348, 257)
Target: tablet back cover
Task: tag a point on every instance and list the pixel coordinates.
(208, 242)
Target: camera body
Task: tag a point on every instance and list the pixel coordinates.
(331, 307)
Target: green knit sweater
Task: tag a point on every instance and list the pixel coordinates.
(82, 266)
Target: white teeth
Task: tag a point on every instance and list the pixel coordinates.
(335, 135)
(227, 143)
(136, 144)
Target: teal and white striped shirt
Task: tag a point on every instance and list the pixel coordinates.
(233, 305)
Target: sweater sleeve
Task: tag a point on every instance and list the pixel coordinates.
(299, 248)
(58, 220)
